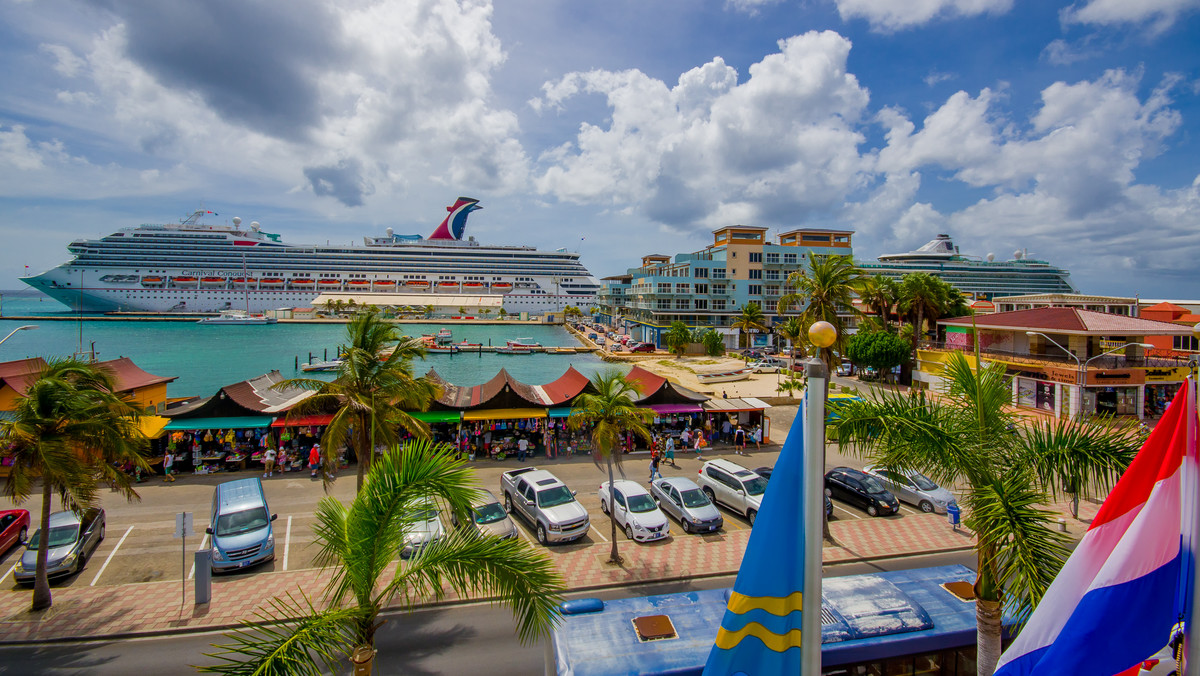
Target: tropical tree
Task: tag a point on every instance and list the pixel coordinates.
(429, 310)
(359, 544)
(70, 429)
(826, 291)
(793, 330)
(593, 310)
(462, 310)
(714, 345)
(750, 319)
(924, 298)
(502, 313)
(372, 391)
(880, 350)
(677, 338)
(610, 414)
(880, 295)
(487, 311)
(966, 438)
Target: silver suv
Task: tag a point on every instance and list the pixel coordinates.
(734, 486)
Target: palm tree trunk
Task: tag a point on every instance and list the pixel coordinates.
(987, 635)
(614, 556)
(365, 455)
(41, 581)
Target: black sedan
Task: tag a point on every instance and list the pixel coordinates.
(854, 487)
(765, 472)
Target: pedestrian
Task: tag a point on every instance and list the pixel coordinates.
(757, 436)
(671, 450)
(724, 394)
(739, 441)
(699, 445)
(269, 462)
(522, 446)
(654, 467)
(168, 465)
(314, 460)
(726, 431)
(685, 439)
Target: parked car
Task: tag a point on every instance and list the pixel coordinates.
(682, 499)
(14, 528)
(425, 529)
(642, 347)
(845, 369)
(592, 336)
(734, 486)
(914, 488)
(634, 510)
(854, 487)
(240, 525)
(753, 354)
(765, 472)
(72, 538)
(767, 365)
(546, 503)
(488, 517)
(600, 341)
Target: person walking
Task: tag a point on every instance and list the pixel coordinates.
(726, 431)
(522, 447)
(314, 460)
(671, 450)
(168, 465)
(739, 441)
(699, 445)
(269, 462)
(654, 467)
(685, 439)
(756, 435)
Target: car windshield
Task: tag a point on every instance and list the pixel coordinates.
(755, 486)
(244, 521)
(695, 498)
(922, 482)
(553, 497)
(872, 485)
(424, 515)
(489, 513)
(60, 536)
(641, 503)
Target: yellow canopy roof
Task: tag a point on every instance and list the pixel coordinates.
(152, 425)
(504, 414)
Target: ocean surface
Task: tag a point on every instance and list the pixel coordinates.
(205, 358)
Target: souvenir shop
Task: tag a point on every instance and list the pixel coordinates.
(212, 445)
(293, 438)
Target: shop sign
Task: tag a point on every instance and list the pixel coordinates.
(1115, 377)
(1170, 374)
(1066, 376)
(1106, 344)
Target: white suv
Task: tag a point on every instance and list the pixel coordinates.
(734, 486)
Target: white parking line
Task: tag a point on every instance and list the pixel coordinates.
(287, 542)
(597, 533)
(836, 509)
(909, 510)
(10, 570)
(110, 556)
(203, 544)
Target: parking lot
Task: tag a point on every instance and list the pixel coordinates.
(140, 546)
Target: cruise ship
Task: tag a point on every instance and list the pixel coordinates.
(194, 267)
(980, 278)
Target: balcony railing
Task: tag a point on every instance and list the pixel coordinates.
(1112, 361)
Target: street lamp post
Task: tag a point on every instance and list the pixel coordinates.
(19, 328)
(822, 335)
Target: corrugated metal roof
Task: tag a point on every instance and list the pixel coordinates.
(1070, 320)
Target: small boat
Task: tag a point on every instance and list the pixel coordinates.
(383, 283)
(473, 286)
(321, 366)
(242, 282)
(358, 284)
(152, 281)
(303, 282)
(442, 349)
(271, 281)
(502, 287)
(469, 346)
(238, 317)
(447, 285)
(723, 376)
(522, 342)
(212, 281)
(185, 281)
(509, 349)
(444, 336)
(329, 283)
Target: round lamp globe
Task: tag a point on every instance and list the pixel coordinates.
(822, 334)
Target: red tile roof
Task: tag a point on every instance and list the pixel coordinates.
(1072, 321)
(130, 376)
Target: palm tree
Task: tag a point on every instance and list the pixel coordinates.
(373, 389)
(360, 542)
(966, 439)
(677, 338)
(485, 311)
(826, 290)
(751, 318)
(880, 294)
(70, 429)
(714, 345)
(502, 313)
(793, 331)
(429, 309)
(610, 413)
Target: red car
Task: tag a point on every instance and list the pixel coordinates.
(643, 347)
(14, 528)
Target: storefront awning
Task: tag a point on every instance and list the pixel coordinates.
(735, 405)
(675, 408)
(564, 412)
(238, 423)
(152, 425)
(437, 416)
(504, 414)
(303, 421)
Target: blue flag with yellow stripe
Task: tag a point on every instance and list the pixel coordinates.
(760, 633)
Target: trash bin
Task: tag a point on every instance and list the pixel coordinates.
(203, 576)
(953, 514)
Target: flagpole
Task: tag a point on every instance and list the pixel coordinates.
(1192, 659)
(822, 334)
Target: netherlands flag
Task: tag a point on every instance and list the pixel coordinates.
(1129, 581)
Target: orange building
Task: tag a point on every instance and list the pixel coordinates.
(1171, 346)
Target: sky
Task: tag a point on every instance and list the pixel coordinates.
(1070, 130)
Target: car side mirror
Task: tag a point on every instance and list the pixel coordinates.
(528, 502)
(209, 530)
(274, 516)
(574, 493)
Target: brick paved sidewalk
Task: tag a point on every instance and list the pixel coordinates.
(156, 607)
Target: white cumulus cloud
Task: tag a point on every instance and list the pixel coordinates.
(893, 15)
(1159, 15)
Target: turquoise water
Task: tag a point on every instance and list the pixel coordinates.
(207, 357)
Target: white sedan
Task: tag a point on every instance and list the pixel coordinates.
(635, 511)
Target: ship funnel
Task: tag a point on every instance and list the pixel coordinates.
(237, 220)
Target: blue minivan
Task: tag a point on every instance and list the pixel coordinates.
(241, 526)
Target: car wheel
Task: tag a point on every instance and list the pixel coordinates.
(751, 516)
(926, 506)
(629, 531)
(603, 507)
(685, 526)
(541, 534)
(508, 503)
(872, 511)
(24, 535)
(102, 531)
(708, 493)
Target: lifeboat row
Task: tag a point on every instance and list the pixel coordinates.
(328, 284)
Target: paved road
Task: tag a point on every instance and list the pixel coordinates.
(465, 639)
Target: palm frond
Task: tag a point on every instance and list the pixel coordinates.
(1080, 457)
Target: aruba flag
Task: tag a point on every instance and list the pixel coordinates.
(760, 633)
(1129, 581)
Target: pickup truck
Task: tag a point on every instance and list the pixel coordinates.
(546, 503)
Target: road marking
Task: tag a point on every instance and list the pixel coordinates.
(110, 556)
(843, 509)
(287, 542)
(909, 510)
(203, 544)
(598, 533)
(10, 570)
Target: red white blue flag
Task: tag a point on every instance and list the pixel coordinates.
(1129, 581)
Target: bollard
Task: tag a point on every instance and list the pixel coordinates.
(1062, 525)
(203, 576)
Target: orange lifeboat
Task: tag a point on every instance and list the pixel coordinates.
(152, 281)
(502, 287)
(272, 281)
(358, 283)
(328, 283)
(474, 286)
(303, 282)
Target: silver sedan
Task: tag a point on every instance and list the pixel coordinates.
(914, 488)
(683, 500)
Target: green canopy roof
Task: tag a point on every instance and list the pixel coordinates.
(240, 422)
(437, 416)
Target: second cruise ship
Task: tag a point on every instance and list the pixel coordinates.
(194, 267)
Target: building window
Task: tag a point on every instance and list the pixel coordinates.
(662, 304)
(718, 273)
(772, 290)
(1187, 344)
(756, 289)
(683, 304)
(701, 304)
(701, 289)
(756, 274)
(683, 288)
(719, 305)
(664, 288)
(700, 273)
(772, 258)
(719, 290)
(755, 256)
(789, 259)
(772, 275)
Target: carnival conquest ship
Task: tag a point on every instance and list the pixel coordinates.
(981, 279)
(193, 267)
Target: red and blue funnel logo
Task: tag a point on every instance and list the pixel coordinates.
(454, 224)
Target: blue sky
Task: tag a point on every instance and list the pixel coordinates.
(618, 128)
